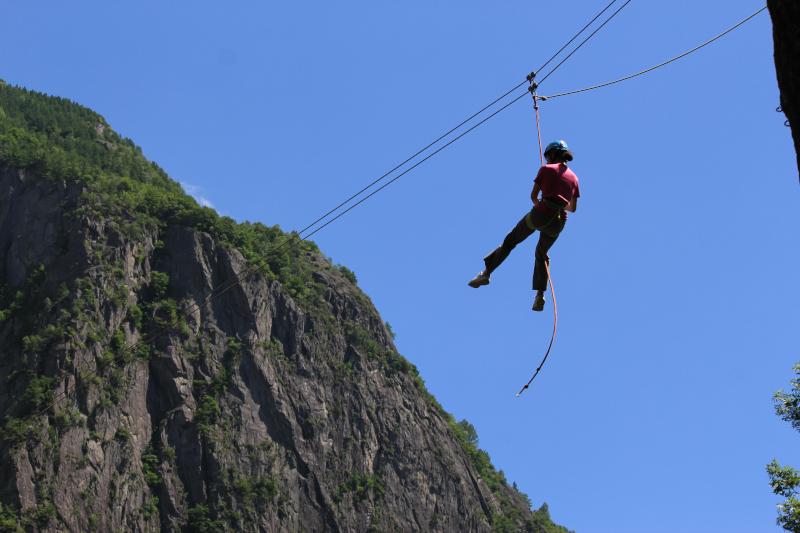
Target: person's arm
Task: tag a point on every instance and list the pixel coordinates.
(572, 205)
(535, 193)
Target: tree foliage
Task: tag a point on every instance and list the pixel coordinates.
(496, 479)
(60, 139)
(9, 520)
(785, 480)
(469, 432)
(200, 520)
(349, 274)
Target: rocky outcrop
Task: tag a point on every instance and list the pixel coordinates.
(263, 412)
(107, 145)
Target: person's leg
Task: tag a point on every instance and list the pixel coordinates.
(539, 270)
(521, 231)
(547, 237)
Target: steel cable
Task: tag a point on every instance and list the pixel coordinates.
(584, 41)
(657, 66)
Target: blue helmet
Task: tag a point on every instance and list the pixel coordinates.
(556, 145)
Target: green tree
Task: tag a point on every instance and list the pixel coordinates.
(349, 274)
(9, 520)
(470, 433)
(785, 480)
(200, 520)
(158, 284)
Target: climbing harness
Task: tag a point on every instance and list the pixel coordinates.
(532, 89)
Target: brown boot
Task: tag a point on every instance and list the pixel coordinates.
(538, 303)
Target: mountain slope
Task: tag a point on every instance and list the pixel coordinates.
(282, 405)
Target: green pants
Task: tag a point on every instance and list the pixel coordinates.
(549, 226)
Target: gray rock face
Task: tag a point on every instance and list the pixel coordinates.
(263, 412)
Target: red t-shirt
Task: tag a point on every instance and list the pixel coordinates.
(556, 181)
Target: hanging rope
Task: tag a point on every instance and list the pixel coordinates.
(538, 132)
(532, 89)
(555, 324)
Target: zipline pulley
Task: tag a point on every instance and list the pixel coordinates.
(532, 89)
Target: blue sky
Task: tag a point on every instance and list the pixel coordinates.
(676, 279)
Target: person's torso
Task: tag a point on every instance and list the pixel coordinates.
(558, 185)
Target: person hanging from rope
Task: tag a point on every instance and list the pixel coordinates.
(558, 186)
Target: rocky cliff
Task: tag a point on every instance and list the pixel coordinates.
(275, 408)
(282, 405)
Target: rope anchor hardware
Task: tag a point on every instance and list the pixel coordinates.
(786, 123)
(530, 77)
